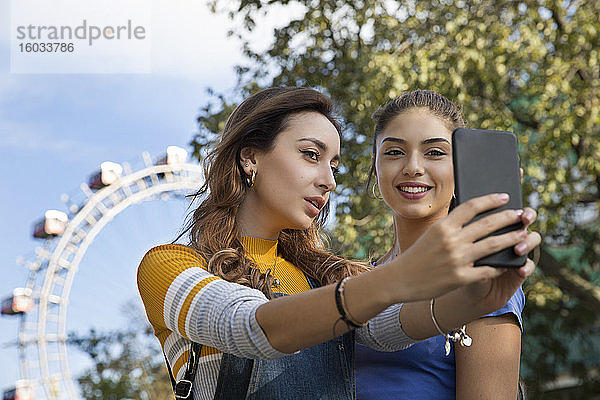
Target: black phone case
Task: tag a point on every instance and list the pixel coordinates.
(485, 162)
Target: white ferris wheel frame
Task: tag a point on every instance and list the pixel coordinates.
(42, 331)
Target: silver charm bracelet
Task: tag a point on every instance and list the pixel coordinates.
(456, 336)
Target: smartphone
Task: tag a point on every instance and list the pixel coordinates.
(487, 161)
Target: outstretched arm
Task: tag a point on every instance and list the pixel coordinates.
(440, 261)
(179, 295)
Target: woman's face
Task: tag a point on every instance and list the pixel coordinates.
(414, 165)
(294, 178)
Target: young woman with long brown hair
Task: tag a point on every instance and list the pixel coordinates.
(240, 288)
(412, 167)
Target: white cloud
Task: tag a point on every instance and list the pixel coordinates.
(181, 37)
(34, 138)
(79, 36)
(188, 39)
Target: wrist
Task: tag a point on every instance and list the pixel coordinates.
(342, 307)
(455, 309)
(394, 285)
(455, 336)
(472, 300)
(366, 295)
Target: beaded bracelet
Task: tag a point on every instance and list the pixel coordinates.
(456, 336)
(341, 306)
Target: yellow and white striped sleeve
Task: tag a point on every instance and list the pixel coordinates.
(180, 295)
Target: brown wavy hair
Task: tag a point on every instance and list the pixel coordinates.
(213, 230)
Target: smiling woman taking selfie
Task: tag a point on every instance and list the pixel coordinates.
(412, 165)
(271, 313)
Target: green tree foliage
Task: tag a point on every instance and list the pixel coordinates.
(532, 67)
(127, 363)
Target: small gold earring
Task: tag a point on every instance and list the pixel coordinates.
(250, 179)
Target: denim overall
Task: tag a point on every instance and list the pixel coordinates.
(324, 371)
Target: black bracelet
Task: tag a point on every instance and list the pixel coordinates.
(340, 304)
(338, 300)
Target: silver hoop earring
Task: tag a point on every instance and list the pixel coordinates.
(250, 179)
(373, 191)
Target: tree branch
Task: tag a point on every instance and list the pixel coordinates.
(524, 120)
(587, 292)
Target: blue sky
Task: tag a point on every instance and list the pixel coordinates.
(55, 130)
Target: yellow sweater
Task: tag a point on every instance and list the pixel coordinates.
(176, 290)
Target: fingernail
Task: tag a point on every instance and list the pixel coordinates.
(518, 213)
(524, 234)
(503, 196)
(521, 248)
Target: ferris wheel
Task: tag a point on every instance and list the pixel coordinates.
(42, 304)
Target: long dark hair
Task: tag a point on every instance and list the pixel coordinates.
(213, 231)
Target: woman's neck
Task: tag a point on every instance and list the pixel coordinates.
(254, 221)
(406, 233)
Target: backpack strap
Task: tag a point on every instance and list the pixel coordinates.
(173, 383)
(183, 388)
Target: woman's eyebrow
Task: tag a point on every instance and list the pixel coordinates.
(321, 145)
(426, 141)
(435, 140)
(393, 139)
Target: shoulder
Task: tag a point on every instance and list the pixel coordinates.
(169, 260)
(173, 252)
(514, 306)
(165, 274)
(173, 248)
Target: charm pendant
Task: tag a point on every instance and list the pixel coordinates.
(466, 341)
(274, 282)
(447, 346)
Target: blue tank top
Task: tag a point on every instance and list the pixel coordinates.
(421, 372)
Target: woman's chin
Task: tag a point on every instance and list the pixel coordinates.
(417, 212)
(300, 224)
